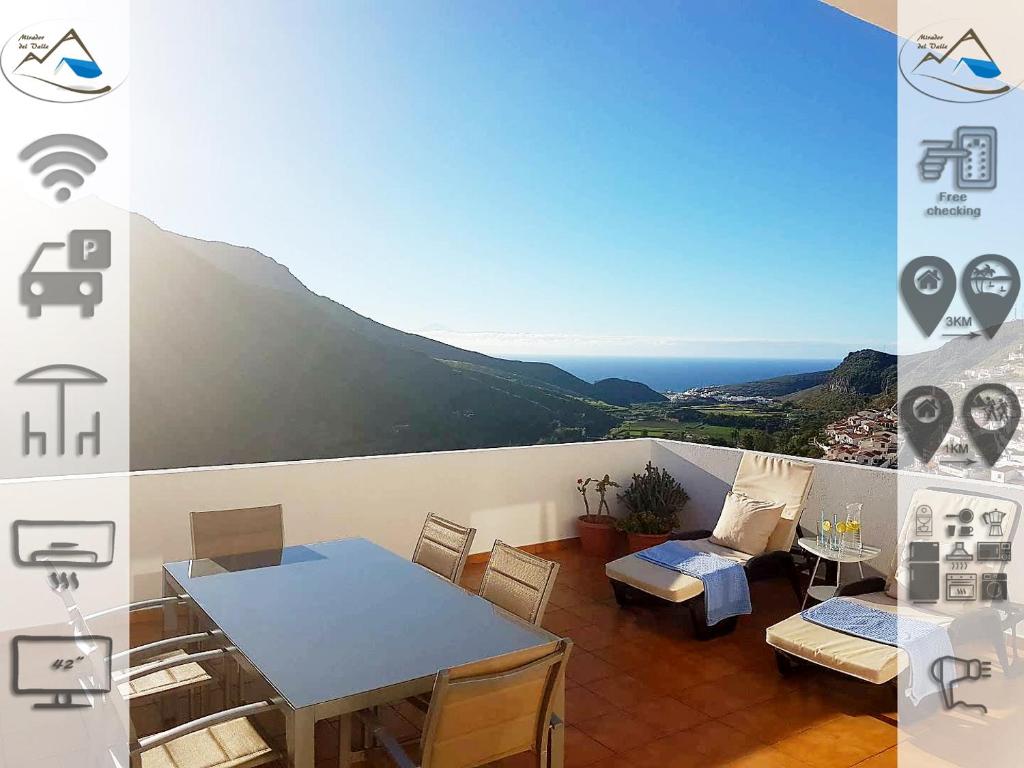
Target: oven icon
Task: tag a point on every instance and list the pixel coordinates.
(961, 587)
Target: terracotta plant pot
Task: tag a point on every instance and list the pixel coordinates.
(598, 539)
(638, 541)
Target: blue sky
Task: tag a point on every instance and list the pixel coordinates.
(560, 178)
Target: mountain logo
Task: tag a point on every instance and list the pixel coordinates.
(952, 65)
(53, 62)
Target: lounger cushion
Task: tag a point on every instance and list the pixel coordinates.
(854, 656)
(767, 476)
(746, 524)
(664, 582)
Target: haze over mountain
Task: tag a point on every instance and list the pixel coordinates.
(235, 361)
(948, 362)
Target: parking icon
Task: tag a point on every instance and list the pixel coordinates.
(81, 285)
(89, 249)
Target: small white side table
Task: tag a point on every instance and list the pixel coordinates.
(822, 552)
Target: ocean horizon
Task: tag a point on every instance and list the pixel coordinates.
(678, 374)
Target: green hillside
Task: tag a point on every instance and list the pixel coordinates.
(866, 378)
(777, 386)
(235, 361)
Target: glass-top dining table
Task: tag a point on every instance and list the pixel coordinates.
(340, 626)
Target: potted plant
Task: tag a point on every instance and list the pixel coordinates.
(654, 501)
(597, 532)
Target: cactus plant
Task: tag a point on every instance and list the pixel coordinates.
(654, 500)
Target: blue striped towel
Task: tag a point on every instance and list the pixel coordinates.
(922, 641)
(726, 592)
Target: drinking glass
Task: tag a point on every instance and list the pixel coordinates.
(853, 526)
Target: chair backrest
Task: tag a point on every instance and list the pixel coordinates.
(519, 582)
(443, 547)
(222, 532)
(767, 477)
(492, 709)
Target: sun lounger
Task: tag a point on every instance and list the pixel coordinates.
(760, 476)
(797, 640)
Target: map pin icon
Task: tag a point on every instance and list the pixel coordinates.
(990, 415)
(927, 285)
(990, 285)
(926, 414)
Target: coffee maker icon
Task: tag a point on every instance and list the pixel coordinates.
(994, 521)
(923, 521)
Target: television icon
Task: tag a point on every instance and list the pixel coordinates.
(61, 667)
(63, 543)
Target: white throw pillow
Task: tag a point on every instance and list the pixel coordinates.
(746, 524)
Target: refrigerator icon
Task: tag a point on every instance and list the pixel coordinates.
(923, 565)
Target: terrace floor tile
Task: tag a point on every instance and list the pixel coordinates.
(641, 691)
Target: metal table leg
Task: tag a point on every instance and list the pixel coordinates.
(810, 584)
(170, 629)
(556, 747)
(300, 736)
(345, 741)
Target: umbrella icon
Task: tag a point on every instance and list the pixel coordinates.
(61, 376)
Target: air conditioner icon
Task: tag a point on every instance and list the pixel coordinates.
(81, 286)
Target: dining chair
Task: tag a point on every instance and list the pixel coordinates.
(164, 665)
(443, 547)
(227, 739)
(144, 680)
(485, 711)
(519, 582)
(224, 532)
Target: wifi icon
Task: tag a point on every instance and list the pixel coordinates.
(63, 160)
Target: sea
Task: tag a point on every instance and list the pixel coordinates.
(678, 374)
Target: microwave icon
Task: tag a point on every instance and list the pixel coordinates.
(994, 551)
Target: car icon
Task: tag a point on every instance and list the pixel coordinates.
(76, 288)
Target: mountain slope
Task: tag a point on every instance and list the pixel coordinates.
(865, 372)
(255, 268)
(864, 378)
(776, 386)
(948, 363)
(625, 392)
(231, 370)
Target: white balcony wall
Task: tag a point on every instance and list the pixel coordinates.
(519, 495)
(707, 472)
